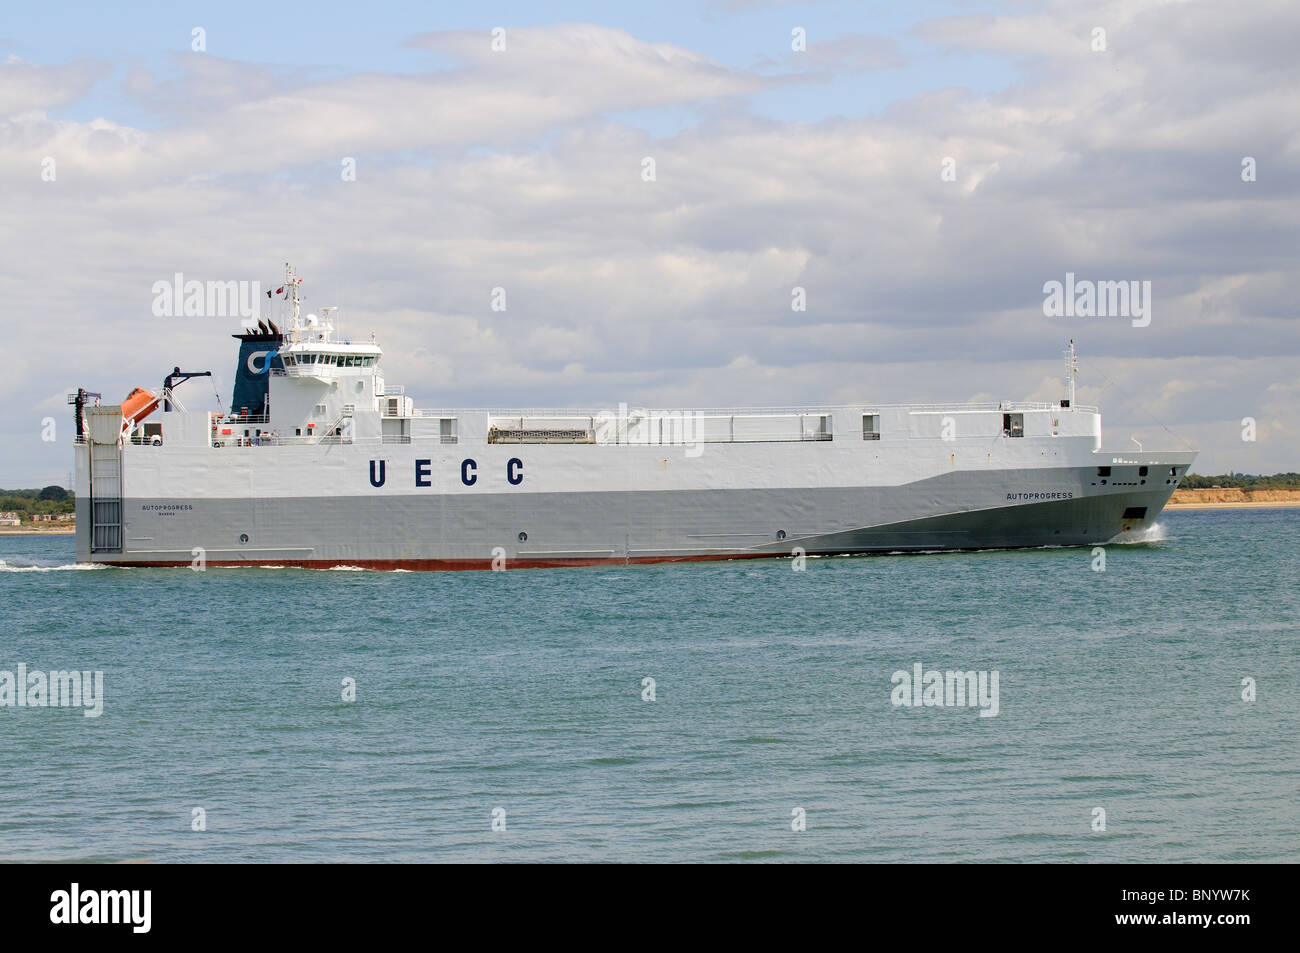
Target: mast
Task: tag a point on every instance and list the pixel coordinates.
(1071, 369)
(293, 281)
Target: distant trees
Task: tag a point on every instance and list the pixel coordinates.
(1242, 481)
(28, 503)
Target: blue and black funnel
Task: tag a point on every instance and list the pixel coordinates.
(259, 354)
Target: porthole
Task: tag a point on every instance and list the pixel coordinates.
(780, 534)
(243, 537)
(523, 537)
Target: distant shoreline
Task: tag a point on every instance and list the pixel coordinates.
(26, 531)
(1274, 505)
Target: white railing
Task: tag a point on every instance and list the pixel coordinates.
(1006, 406)
(392, 439)
(265, 440)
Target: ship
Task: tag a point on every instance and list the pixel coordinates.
(320, 463)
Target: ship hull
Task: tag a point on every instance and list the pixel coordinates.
(963, 510)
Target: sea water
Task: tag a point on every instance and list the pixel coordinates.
(733, 711)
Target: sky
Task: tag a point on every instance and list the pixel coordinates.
(921, 171)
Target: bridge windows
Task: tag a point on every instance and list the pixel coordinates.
(331, 360)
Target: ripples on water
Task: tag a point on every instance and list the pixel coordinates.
(523, 691)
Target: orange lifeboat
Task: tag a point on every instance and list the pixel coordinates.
(138, 405)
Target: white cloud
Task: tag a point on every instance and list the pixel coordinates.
(32, 88)
(678, 290)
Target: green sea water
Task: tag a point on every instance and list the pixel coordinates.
(507, 716)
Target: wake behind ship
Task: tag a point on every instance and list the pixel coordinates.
(320, 463)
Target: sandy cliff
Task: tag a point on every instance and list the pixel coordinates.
(1228, 497)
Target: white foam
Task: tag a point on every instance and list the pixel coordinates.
(1155, 533)
(5, 567)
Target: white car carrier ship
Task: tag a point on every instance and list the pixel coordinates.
(320, 462)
